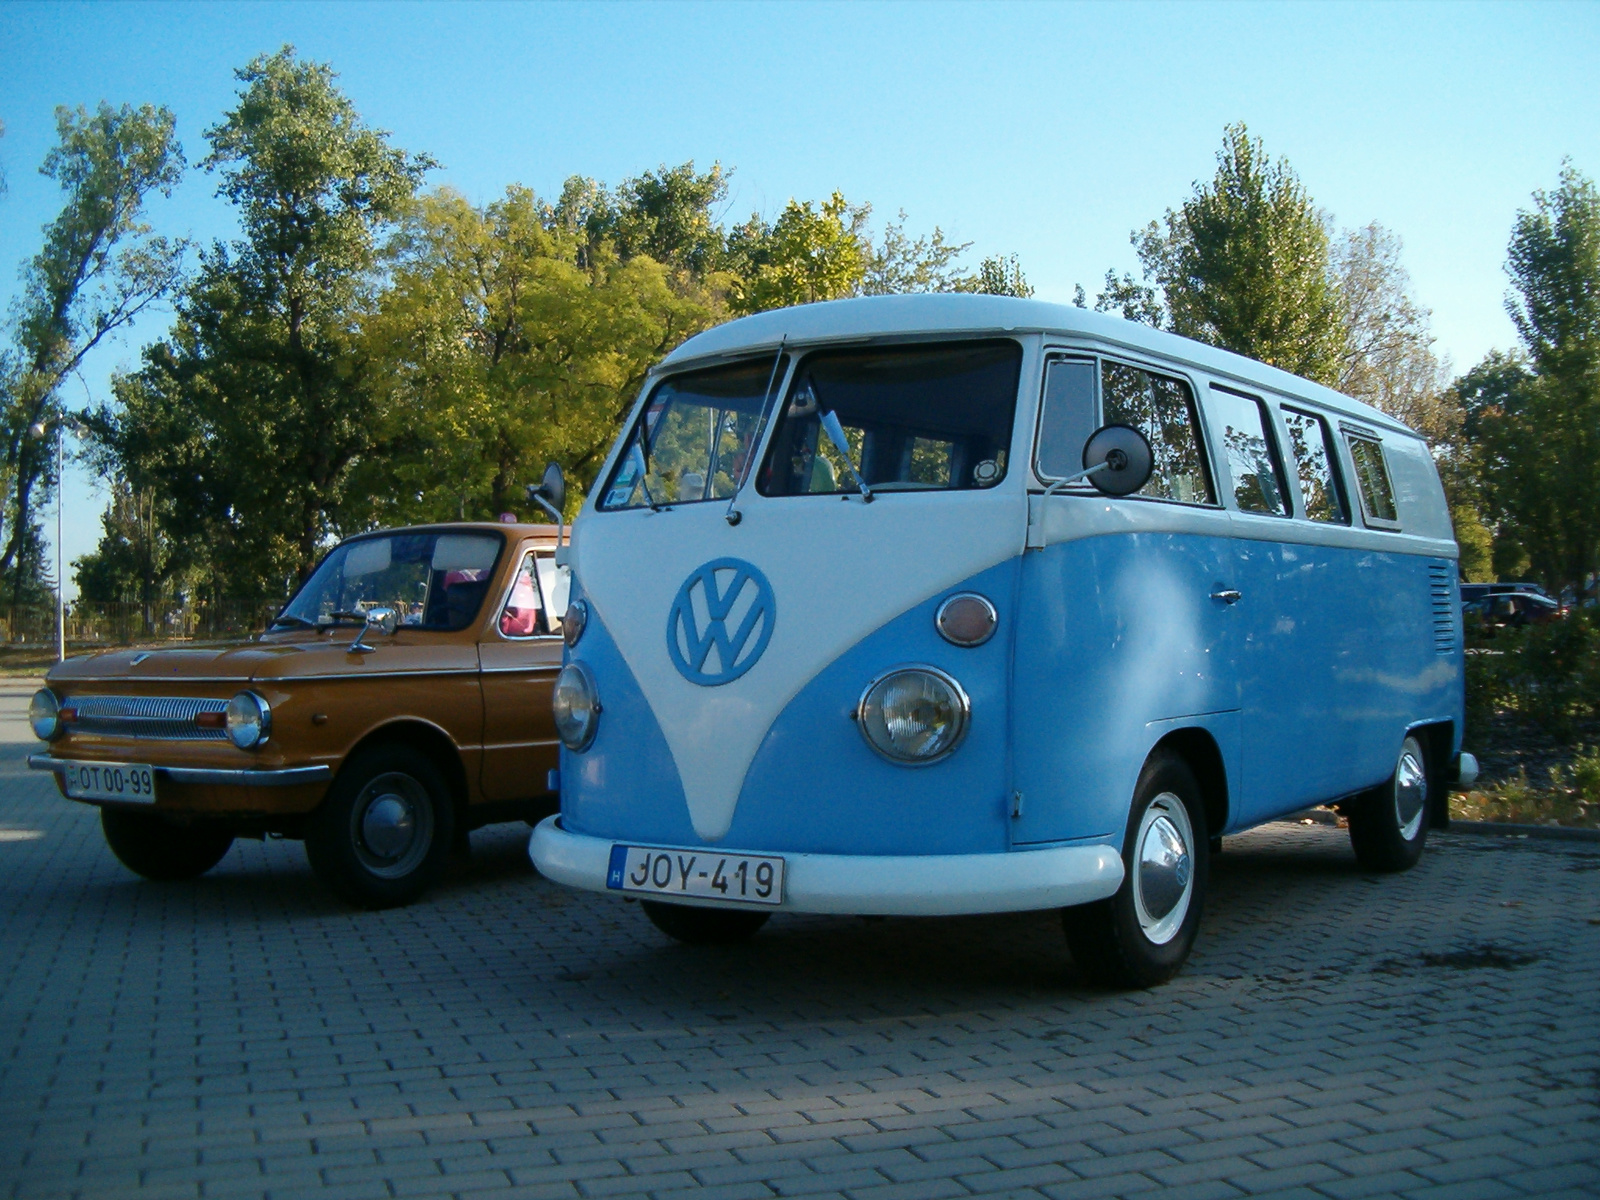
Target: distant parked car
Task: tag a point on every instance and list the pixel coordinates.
(1477, 591)
(1511, 610)
(401, 698)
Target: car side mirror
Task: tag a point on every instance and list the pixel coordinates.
(1118, 460)
(384, 620)
(551, 492)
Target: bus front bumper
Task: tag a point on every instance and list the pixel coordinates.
(875, 885)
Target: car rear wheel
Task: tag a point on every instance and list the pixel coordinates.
(149, 845)
(1142, 935)
(1389, 825)
(703, 926)
(382, 835)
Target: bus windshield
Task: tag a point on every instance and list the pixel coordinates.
(916, 418)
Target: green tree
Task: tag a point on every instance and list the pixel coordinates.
(811, 252)
(998, 276)
(498, 352)
(137, 561)
(1243, 264)
(100, 267)
(252, 414)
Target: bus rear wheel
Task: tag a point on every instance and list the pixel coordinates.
(1142, 935)
(703, 926)
(1389, 825)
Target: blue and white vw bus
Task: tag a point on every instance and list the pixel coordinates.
(864, 621)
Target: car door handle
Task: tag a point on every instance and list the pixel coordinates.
(1228, 595)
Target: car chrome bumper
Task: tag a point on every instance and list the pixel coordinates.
(878, 885)
(241, 777)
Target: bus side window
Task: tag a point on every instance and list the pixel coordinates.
(1372, 478)
(1163, 409)
(1252, 452)
(1312, 445)
(1067, 418)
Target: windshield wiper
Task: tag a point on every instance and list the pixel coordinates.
(359, 618)
(291, 619)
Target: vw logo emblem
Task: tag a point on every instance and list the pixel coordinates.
(721, 622)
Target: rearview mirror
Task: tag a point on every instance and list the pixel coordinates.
(1118, 460)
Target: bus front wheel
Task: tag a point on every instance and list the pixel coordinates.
(1142, 935)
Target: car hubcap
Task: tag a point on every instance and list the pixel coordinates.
(1163, 868)
(393, 822)
(1410, 791)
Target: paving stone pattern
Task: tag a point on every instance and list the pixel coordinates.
(1335, 1035)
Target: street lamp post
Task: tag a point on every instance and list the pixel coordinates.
(40, 429)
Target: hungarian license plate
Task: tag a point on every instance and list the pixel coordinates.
(652, 871)
(131, 783)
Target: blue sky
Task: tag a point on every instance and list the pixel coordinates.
(1049, 131)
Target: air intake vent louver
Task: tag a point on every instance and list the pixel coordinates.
(1444, 610)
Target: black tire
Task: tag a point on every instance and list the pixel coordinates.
(704, 926)
(1142, 935)
(383, 833)
(1389, 825)
(150, 846)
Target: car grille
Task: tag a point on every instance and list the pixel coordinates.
(163, 718)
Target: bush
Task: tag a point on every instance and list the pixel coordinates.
(1549, 674)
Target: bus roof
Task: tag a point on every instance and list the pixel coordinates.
(953, 313)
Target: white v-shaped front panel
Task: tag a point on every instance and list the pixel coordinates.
(838, 569)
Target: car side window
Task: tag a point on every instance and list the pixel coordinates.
(1066, 418)
(1372, 478)
(523, 614)
(1311, 442)
(1251, 452)
(1163, 409)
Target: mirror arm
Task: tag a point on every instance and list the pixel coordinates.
(358, 646)
(560, 521)
(1075, 477)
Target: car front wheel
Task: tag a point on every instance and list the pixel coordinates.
(150, 846)
(1142, 935)
(382, 835)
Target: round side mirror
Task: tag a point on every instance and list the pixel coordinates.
(552, 488)
(383, 620)
(1126, 457)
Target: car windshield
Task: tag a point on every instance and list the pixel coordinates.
(433, 580)
(915, 418)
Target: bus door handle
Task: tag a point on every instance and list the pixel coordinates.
(1228, 595)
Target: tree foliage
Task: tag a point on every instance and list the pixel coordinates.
(252, 414)
(1534, 418)
(99, 268)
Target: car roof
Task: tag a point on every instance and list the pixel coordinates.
(948, 313)
(514, 530)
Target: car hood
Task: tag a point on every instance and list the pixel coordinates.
(239, 662)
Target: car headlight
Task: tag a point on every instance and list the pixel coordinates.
(573, 622)
(914, 715)
(44, 714)
(576, 705)
(248, 720)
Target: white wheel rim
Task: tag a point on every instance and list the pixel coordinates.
(1410, 790)
(1163, 868)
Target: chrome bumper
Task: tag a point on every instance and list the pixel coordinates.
(242, 777)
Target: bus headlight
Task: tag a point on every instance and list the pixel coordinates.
(576, 705)
(914, 715)
(44, 714)
(248, 720)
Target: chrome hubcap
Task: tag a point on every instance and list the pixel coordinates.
(1163, 868)
(393, 825)
(1410, 790)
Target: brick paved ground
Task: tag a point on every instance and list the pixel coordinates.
(1335, 1035)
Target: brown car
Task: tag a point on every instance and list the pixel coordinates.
(400, 699)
